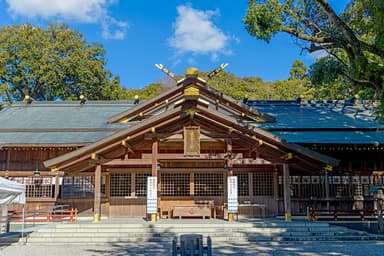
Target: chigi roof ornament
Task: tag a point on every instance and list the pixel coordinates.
(209, 76)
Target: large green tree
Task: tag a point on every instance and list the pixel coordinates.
(53, 63)
(354, 39)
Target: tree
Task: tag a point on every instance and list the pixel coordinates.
(353, 39)
(298, 70)
(147, 92)
(53, 63)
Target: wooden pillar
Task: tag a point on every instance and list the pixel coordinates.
(155, 148)
(57, 187)
(326, 184)
(191, 184)
(97, 194)
(287, 193)
(155, 145)
(8, 158)
(108, 185)
(229, 156)
(108, 193)
(230, 169)
(276, 191)
(250, 186)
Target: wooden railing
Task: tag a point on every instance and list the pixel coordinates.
(43, 215)
(342, 215)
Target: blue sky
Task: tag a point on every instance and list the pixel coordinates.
(178, 34)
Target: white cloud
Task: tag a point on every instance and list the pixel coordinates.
(85, 11)
(194, 32)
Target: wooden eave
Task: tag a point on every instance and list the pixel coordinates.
(17, 146)
(269, 146)
(154, 103)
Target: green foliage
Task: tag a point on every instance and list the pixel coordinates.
(298, 70)
(325, 70)
(263, 20)
(55, 63)
(256, 88)
(354, 40)
(147, 92)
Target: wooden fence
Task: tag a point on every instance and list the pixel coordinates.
(43, 215)
(342, 215)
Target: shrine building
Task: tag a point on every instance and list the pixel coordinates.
(96, 156)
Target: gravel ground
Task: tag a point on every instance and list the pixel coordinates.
(266, 249)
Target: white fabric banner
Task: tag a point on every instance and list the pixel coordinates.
(11, 192)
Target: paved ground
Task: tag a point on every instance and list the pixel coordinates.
(265, 249)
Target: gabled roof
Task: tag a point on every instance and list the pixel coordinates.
(207, 95)
(191, 107)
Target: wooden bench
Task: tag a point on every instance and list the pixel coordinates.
(192, 210)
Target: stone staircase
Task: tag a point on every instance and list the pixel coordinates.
(243, 231)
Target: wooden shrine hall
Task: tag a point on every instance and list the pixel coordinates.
(98, 156)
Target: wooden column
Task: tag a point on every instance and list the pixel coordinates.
(229, 163)
(276, 191)
(287, 193)
(57, 186)
(97, 194)
(155, 145)
(229, 156)
(326, 184)
(155, 149)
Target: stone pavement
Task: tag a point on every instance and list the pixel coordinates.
(262, 248)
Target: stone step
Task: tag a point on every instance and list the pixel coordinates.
(236, 232)
(212, 232)
(103, 240)
(189, 229)
(186, 225)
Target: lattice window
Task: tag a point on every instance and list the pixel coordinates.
(121, 184)
(243, 184)
(141, 184)
(37, 187)
(262, 184)
(310, 186)
(340, 186)
(209, 184)
(175, 184)
(80, 186)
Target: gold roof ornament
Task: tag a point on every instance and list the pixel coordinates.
(191, 92)
(191, 71)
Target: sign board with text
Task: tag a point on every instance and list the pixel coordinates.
(152, 195)
(232, 194)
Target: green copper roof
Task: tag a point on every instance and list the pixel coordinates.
(328, 122)
(59, 122)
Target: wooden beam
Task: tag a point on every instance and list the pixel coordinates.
(155, 149)
(130, 161)
(287, 193)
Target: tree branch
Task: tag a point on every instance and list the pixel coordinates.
(313, 39)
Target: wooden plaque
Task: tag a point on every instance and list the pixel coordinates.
(191, 141)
